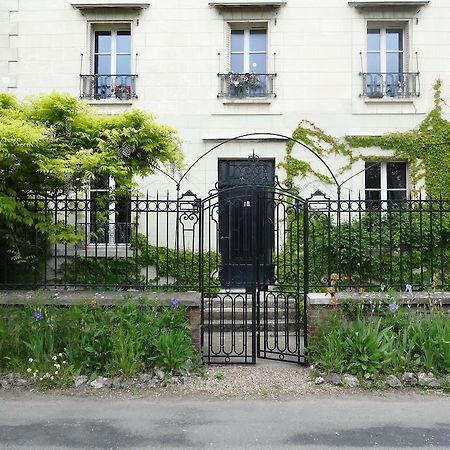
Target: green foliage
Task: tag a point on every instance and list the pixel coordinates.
(179, 269)
(321, 143)
(391, 248)
(427, 148)
(171, 349)
(370, 346)
(55, 143)
(122, 340)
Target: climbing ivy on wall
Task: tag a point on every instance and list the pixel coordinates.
(427, 148)
(322, 144)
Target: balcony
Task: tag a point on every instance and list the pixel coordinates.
(246, 85)
(390, 85)
(108, 87)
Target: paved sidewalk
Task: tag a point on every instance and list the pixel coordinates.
(54, 421)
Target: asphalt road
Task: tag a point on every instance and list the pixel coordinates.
(354, 422)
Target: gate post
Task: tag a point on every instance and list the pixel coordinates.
(305, 270)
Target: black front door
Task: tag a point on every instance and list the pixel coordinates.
(246, 222)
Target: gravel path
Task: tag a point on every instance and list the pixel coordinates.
(269, 380)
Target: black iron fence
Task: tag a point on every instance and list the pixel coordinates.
(101, 87)
(154, 242)
(246, 85)
(375, 245)
(380, 85)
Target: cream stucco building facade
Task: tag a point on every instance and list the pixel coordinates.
(351, 67)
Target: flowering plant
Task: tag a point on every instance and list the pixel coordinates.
(243, 83)
(122, 89)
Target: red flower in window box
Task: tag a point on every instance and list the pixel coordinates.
(122, 91)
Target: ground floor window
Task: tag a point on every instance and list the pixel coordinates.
(386, 181)
(109, 216)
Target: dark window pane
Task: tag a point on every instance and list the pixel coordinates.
(396, 175)
(258, 40)
(237, 40)
(123, 42)
(101, 182)
(373, 175)
(373, 195)
(396, 196)
(102, 42)
(123, 211)
(373, 40)
(394, 40)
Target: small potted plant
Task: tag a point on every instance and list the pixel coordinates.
(122, 91)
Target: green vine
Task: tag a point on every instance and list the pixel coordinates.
(318, 141)
(427, 148)
(173, 269)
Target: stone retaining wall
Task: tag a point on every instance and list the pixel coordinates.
(191, 300)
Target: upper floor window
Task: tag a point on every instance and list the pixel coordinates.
(111, 76)
(386, 181)
(387, 62)
(248, 64)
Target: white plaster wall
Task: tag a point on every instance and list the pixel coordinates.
(181, 48)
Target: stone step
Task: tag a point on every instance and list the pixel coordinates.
(229, 313)
(229, 325)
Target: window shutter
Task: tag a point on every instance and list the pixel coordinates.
(226, 60)
(407, 47)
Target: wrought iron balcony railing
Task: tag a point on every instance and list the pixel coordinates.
(246, 85)
(100, 87)
(379, 85)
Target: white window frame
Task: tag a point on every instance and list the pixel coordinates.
(384, 27)
(111, 218)
(246, 50)
(112, 27)
(383, 179)
(246, 26)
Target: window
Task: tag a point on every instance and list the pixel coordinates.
(111, 64)
(386, 74)
(248, 63)
(110, 221)
(386, 181)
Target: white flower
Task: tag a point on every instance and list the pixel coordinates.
(54, 358)
(52, 377)
(30, 359)
(64, 362)
(29, 369)
(58, 366)
(56, 372)
(60, 354)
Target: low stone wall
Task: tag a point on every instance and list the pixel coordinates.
(191, 300)
(319, 306)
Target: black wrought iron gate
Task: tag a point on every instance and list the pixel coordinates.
(252, 246)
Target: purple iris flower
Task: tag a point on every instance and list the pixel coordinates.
(174, 303)
(37, 315)
(393, 307)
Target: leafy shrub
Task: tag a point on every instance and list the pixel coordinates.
(396, 342)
